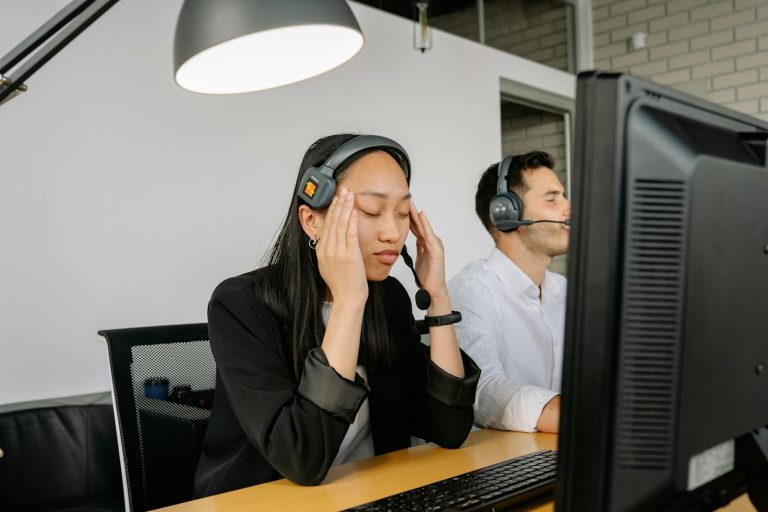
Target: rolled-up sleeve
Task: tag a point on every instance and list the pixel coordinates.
(324, 387)
(440, 404)
(503, 401)
(449, 389)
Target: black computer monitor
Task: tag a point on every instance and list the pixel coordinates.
(665, 373)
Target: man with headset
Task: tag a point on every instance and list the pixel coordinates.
(513, 307)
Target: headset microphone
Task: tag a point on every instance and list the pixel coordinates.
(526, 222)
(423, 300)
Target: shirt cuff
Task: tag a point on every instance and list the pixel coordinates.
(449, 389)
(324, 387)
(525, 407)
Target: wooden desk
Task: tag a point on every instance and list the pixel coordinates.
(366, 480)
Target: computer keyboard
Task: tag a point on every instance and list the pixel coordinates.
(493, 487)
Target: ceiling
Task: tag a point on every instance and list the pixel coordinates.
(405, 7)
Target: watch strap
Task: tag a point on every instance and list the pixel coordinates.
(451, 318)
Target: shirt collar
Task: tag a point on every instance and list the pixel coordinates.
(517, 282)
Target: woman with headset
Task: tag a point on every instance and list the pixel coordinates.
(318, 360)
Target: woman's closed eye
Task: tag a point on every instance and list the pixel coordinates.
(378, 214)
(370, 214)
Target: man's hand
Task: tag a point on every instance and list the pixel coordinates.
(549, 421)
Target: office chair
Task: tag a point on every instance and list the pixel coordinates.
(60, 454)
(163, 380)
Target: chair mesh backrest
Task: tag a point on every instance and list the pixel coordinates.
(164, 382)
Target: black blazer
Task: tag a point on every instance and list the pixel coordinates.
(266, 424)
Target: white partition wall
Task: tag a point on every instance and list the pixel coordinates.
(124, 199)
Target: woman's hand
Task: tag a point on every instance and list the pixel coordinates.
(342, 269)
(338, 252)
(430, 267)
(430, 255)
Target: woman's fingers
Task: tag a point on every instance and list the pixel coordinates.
(426, 226)
(430, 233)
(422, 228)
(329, 226)
(335, 233)
(352, 231)
(416, 227)
(343, 221)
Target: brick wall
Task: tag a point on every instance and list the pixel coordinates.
(533, 29)
(714, 49)
(526, 129)
(461, 23)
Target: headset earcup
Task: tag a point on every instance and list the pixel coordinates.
(317, 189)
(506, 210)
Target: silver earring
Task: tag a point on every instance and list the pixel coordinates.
(312, 243)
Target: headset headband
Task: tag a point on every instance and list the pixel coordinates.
(502, 170)
(361, 143)
(505, 208)
(318, 185)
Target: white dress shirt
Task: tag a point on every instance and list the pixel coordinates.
(515, 337)
(358, 441)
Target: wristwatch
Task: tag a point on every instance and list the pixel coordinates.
(451, 318)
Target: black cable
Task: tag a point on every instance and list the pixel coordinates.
(423, 299)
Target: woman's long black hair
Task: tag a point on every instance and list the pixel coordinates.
(294, 289)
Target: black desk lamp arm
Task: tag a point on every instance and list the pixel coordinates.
(54, 34)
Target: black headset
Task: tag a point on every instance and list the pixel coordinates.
(318, 185)
(506, 207)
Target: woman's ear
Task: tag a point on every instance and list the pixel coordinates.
(311, 221)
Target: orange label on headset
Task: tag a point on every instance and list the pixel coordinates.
(310, 188)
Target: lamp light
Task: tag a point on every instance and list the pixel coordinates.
(236, 46)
